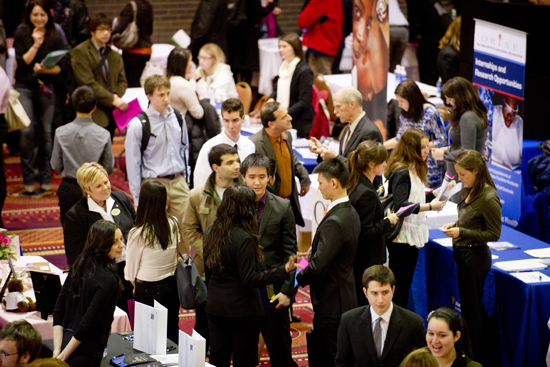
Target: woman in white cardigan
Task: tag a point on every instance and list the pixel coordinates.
(214, 77)
(182, 91)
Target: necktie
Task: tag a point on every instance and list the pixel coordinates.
(326, 211)
(102, 51)
(377, 336)
(346, 140)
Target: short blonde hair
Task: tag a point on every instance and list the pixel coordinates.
(215, 52)
(155, 82)
(87, 174)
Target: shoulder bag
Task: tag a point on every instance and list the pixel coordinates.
(129, 37)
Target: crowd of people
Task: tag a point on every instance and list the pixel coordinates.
(235, 199)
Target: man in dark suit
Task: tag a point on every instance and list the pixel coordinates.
(348, 107)
(381, 334)
(330, 271)
(275, 142)
(277, 231)
(107, 80)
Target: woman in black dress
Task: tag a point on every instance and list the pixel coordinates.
(364, 164)
(85, 307)
(231, 255)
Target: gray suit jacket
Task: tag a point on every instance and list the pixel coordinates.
(85, 58)
(263, 146)
(406, 333)
(278, 237)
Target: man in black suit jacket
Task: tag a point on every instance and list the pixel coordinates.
(273, 136)
(348, 107)
(330, 271)
(277, 231)
(401, 331)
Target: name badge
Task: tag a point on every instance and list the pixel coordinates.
(115, 211)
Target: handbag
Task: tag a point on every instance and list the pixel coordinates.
(16, 116)
(129, 37)
(388, 203)
(192, 290)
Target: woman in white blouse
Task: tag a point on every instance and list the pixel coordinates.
(151, 255)
(214, 77)
(182, 92)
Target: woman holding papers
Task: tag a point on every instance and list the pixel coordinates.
(231, 255)
(407, 176)
(419, 113)
(479, 222)
(468, 121)
(85, 307)
(152, 254)
(364, 164)
(35, 38)
(292, 87)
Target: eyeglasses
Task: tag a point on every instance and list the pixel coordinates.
(205, 58)
(4, 355)
(100, 29)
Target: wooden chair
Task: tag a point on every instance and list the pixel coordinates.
(245, 95)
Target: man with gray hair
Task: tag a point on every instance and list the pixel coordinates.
(348, 107)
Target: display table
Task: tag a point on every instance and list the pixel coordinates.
(520, 310)
(45, 327)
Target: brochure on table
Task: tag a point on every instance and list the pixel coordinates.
(150, 325)
(192, 349)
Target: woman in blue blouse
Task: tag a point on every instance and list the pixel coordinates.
(421, 114)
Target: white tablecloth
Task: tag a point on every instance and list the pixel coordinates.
(45, 327)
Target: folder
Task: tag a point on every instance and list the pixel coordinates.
(150, 325)
(192, 349)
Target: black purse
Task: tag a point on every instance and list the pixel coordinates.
(387, 203)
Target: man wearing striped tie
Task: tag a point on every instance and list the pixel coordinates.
(380, 334)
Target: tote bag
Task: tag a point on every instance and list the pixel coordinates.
(129, 37)
(15, 113)
(191, 288)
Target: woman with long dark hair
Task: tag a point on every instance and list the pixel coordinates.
(417, 112)
(364, 165)
(407, 176)
(152, 254)
(182, 91)
(479, 222)
(448, 339)
(292, 87)
(33, 40)
(85, 307)
(468, 121)
(232, 253)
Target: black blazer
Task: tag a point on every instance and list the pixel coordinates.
(365, 130)
(233, 292)
(356, 347)
(399, 184)
(330, 271)
(278, 237)
(299, 106)
(263, 146)
(79, 219)
(371, 249)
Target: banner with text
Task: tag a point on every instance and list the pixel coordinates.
(499, 73)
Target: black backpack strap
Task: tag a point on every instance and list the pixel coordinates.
(102, 60)
(179, 116)
(146, 134)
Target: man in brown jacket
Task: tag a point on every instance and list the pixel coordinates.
(204, 201)
(107, 77)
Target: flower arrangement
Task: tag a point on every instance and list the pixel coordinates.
(6, 247)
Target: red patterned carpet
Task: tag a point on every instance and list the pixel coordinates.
(36, 222)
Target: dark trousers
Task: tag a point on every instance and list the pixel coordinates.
(276, 332)
(201, 325)
(321, 342)
(403, 259)
(237, 336)
(164, 292)
(69, 193)
(133, 66)
(87, 354)
(3, 184)
(472, 266)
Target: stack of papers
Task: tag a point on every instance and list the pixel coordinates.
(306, 154)
(499, 246)
(520, 265)
(445, 242)
(540, 253)
(532, 277)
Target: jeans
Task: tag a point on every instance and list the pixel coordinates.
(37, 134)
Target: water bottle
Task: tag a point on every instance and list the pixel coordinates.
(438, 85)
(403, 73)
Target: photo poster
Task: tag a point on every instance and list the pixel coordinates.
(499, 73)
(370, 54)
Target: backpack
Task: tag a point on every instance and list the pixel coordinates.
(146, 135)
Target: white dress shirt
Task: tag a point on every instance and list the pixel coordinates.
(336, 202)
(384, 323)
(202, 167)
